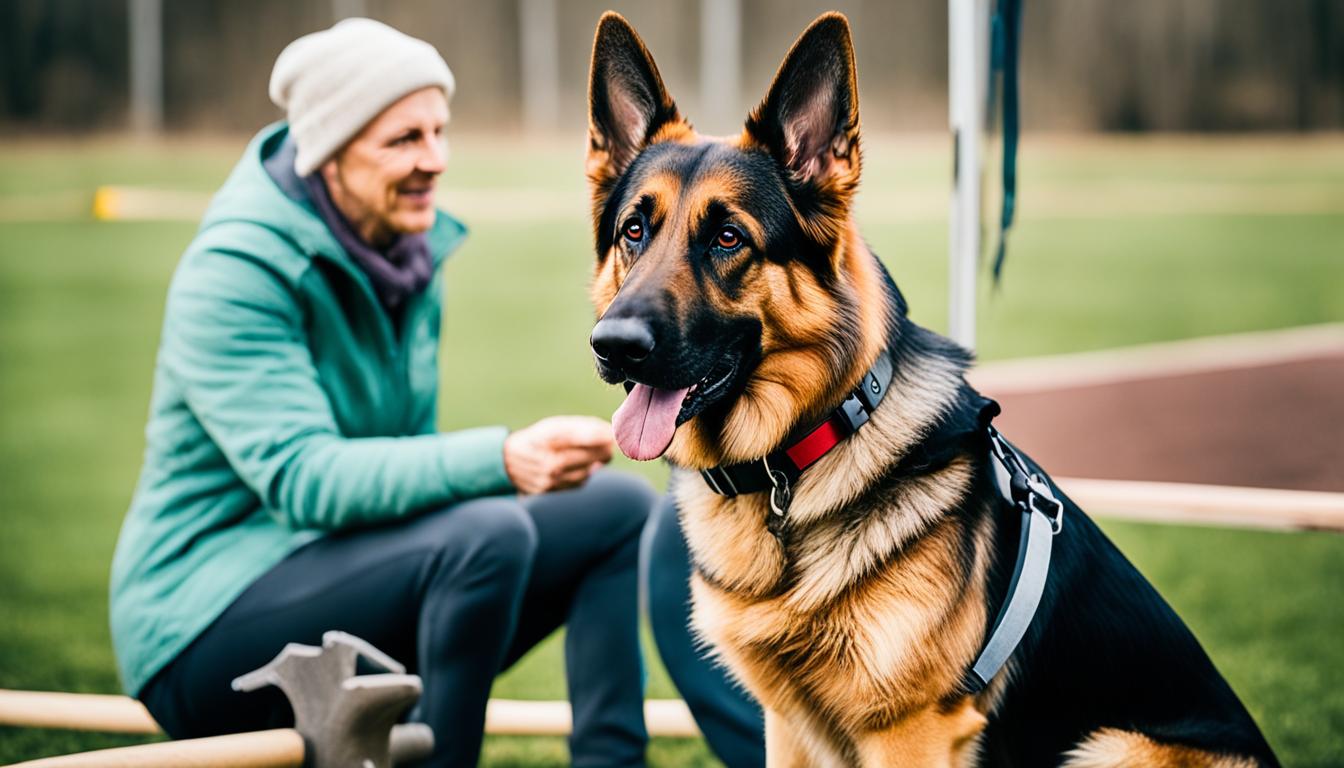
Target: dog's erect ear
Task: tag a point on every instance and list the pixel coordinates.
(627, 103)
(810, 118)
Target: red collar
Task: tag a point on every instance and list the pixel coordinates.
(778, 471)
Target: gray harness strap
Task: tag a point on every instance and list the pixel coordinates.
(1042, 518)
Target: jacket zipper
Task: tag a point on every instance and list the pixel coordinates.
(396, 350)
(409, 326)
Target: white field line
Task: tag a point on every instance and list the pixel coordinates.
(905, 203)
(1054, 201)
(1174, 358)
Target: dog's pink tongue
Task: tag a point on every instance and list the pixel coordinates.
(646, 420)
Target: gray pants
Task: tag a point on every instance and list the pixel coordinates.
(729, 717)
(456, 595)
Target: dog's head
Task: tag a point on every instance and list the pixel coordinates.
(726, 287)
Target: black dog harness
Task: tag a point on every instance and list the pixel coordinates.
(1028, 493)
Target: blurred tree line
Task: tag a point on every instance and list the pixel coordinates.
(1138, 65)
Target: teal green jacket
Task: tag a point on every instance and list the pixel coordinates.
(285, 405)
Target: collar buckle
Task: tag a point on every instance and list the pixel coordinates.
(719, 481)
(852, 413)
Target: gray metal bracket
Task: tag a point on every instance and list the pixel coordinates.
(347, 720)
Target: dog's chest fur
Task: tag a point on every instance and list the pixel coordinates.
(870, 604)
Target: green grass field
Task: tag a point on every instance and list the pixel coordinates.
(1119, 242)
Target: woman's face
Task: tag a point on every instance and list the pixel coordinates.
(383, 180)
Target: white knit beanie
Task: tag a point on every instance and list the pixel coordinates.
(334, 82)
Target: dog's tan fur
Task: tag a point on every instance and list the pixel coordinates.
(856, 637)
(1114, 748)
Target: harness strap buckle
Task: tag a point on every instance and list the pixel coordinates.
(1026, 489)
(1042, 499)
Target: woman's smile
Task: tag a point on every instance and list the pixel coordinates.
(417, 194)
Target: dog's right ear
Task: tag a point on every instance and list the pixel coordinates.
(627, 103)
(809, 122)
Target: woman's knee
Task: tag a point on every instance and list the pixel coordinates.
(490, 535)
(626, 498)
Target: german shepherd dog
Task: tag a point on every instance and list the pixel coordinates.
(740, 307)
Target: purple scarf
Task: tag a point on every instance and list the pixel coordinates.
(398, 273)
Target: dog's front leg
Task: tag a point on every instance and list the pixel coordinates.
(784, 747)
(935, 737)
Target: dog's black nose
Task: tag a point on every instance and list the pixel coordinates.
(621, 341)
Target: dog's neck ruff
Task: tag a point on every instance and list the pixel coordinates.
(778, 471)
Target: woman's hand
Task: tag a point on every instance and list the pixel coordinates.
(557, 452)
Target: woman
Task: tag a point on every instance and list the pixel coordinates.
(293, 480)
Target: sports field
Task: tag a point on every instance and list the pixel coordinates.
(1119, 242)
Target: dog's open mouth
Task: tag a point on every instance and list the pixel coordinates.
(649, 417)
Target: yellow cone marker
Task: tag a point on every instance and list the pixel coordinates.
(106, 203)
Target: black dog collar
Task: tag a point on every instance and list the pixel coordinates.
(778, 471)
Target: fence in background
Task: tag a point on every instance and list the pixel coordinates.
(1086, 64)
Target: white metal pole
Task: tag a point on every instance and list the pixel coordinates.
(346, 9)
(720, 64)
(968, 78)
(146, 42)
(539, 45)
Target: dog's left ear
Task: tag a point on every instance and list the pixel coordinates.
(627, 102)
(809, 120)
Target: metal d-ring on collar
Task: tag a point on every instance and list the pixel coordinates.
(1042, 518)
(781, 494)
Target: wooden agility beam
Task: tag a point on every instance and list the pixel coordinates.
(122, 714)
(663, 717)
(279, 748)
(75, 711)
(1218, 505)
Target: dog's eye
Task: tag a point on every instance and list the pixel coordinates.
(729, 238)
(633, 230)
